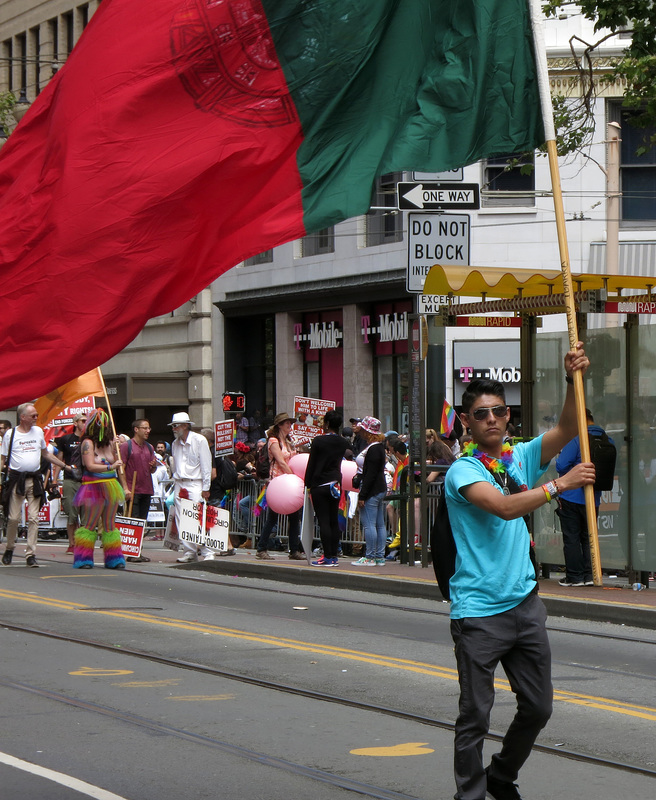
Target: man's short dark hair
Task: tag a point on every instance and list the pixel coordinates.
(398, 446)
(479, 387)
(333, 420)
(138, 422)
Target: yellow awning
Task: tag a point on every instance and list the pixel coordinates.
(495, 282)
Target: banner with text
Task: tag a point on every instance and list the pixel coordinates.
(224, 437)
(132, 533)
(63, 422)
(213, 534)
(309, 414)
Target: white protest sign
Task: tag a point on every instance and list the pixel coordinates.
(203, 525)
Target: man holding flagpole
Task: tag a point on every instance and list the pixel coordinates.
(496, 614)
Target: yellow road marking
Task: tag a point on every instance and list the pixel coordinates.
(407, 749)
(147, 684)
(406, 665)
(100, 671)
(196, 697)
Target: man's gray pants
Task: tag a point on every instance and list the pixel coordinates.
(518, 640)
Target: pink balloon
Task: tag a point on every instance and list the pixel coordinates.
(285, 494)
(298, 464)
(349, 468)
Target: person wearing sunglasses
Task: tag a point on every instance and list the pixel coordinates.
(23, 447)
(496, 615)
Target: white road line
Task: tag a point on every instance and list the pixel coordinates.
(58, 777)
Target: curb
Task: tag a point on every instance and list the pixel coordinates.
(585, 609)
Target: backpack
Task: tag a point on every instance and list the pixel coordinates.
(226, 473)
(443, 545)
(603, 455)
(263, 464)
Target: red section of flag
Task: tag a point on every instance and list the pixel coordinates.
(160, 156)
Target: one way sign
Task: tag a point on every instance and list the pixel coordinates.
(437, 196)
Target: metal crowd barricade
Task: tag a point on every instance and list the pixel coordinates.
(246, 522)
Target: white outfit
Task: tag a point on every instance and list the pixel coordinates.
(192, 470)
(25, 457)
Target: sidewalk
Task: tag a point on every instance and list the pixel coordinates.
(614, 602)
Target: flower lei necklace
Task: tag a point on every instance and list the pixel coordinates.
(493, 464)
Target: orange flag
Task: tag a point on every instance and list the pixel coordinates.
(56, 401)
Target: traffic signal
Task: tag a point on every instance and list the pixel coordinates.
(234, 402)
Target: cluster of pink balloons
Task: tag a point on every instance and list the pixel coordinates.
(285, 493)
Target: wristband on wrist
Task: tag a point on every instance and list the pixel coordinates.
(546, 492)
(569, 379)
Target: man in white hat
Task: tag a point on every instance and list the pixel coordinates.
(192, 473)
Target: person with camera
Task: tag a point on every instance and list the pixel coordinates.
(68, 447)
(23, 447)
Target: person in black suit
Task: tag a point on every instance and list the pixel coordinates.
(323, 478)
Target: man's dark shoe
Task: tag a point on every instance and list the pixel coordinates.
(501, 790)
(137, 558)
(7, 556)
(30, 561)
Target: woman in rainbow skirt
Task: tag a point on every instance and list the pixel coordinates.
(99, 496)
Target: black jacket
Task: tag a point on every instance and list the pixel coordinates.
(373, 472)
(324, 464)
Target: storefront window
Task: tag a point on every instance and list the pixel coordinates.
(392, 398)
(606, 397)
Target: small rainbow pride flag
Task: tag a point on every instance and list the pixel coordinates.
(260, 503)
(342, 514)
(448, 418)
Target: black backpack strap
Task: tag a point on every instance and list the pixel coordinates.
(5, 475)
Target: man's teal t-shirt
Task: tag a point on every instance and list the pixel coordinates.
(494, 572)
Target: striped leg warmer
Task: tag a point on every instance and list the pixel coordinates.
(111, 541)
(83, 550)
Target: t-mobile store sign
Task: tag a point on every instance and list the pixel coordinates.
(495, 360)
(388, 327)
(318, 336)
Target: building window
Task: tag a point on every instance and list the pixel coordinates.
(263, 258)
(509, 180)
(7, 64)
(637, 172)
(312, 380)
(318, 243)
(384, 227)
(69, 31)
(392, 400)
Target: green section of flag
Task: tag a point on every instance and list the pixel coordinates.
(388, 85)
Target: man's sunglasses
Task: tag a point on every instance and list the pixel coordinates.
(481, 413)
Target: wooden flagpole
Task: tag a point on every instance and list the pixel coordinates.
(568, 289)
(121, 471)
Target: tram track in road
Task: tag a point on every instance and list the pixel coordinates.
(338, 781)
(557, 752)
(440, 609)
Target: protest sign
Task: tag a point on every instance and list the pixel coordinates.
(309, 413)
(203, 525)
(224, 437)
(132, 533)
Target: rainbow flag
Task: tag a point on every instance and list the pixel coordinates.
(342, 512)
(260, 503)
(448, 418)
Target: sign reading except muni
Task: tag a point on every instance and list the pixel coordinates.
(437, 196)
(435, 239)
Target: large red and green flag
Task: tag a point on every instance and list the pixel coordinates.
(183, 136)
